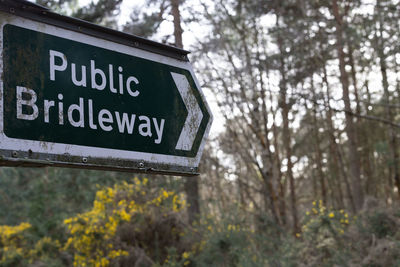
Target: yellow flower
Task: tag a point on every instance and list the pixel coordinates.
(136, 181)
(232, 227)
(331, 215)
(165, 193)
(315, 211)
(124, 216)
(298, 235)
(117, 253)
(185, 255)
(307, 213)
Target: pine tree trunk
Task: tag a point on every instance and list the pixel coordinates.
(317, 146)
(354, 159)
(177, 23)
(362, 135)
(286, 135)
(371, 183)
(280, 177)
(338, 162)
(191, 184)
(393, 146)
(279, 197)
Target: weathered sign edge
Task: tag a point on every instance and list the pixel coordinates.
(8, 157)
(16, 158)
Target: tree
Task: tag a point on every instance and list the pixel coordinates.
(101, 12)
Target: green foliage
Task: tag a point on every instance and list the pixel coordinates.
(381, 224)
(144, 27)
(139, 223)
(234, 241)
(324, 235)
(322, 221)
(45, 197)
(99, 12)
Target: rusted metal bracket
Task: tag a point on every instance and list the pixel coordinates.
(32, 159)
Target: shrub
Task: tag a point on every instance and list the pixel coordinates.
(129, 224)
(13, 244)
(381, 224)
(323, 232)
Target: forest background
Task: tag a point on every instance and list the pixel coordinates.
(301, 169)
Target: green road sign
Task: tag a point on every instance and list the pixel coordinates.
(70, 98)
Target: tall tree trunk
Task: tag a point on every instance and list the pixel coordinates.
(362, 135)
(286, 133)
(177, 23)
(354, 159)
(317, 145)
(191, 184)
(338, 162)
(268, 158)
(276, 161)
(397, 70)
(393, 146)
(280, 177)
(370, 183)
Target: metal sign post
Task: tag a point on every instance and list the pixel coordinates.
(80, 95)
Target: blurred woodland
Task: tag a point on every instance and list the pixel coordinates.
(303, 171)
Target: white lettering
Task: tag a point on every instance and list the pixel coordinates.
(31, 102)
(60, 110)
(159, 130)
(93, 73)
(47, 105)
(105, 116)
(120, 79)
(111, 77)
(125, 123)
(53, 66)
(128, 86)
(91, 124)
(82, 82)
(146, 125)
(79, 108)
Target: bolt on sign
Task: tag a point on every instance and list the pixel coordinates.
(80, 95)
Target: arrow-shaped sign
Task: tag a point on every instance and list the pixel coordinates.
(95, 102)
(194, 117)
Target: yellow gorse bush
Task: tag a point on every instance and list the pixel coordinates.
(92, 233)
(12, 241)
(15, 247)
(319, 216)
